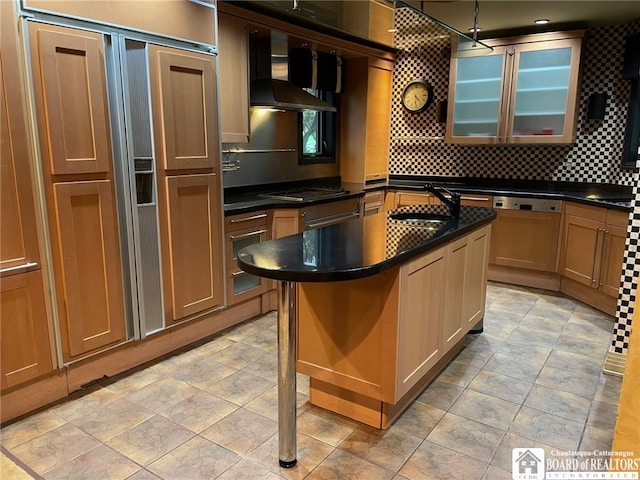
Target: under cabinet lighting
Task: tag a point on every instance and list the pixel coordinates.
(541, 21)
(475, 29)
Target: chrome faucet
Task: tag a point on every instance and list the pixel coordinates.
(452, 203)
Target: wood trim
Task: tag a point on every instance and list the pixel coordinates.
(589, 295)
(32, 396)
(527, 278)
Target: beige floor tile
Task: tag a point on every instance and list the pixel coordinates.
(310, 452)
(325, 426)
(603, 415)
(440, 394)
(460, 374)
(150, 440)
(143, 474)
(435, 462)
(388, 449)
(240, 387)
(487, 409)
(546, 428)
(266, 368)
(344, 466)
(241, 431)
(575, 362)
(11, 470)
(266, 339)
(248, 470)
(528, 335)
(501, 386)
(198, 411)
(213, 346)
(596, 439)
(474, 356)
(266, 404)
(419, 419)
(558, 402)
(53, 448)
(161, 394)
(495, 473)
(174, 362)
(197, 458)
(568, 381)
(84, 402)
(113, 419)
(202, 371)
(130, 382)
(29, 428)
(468, 437)
(608, 389)
(239, 355)
(99, 463)
(503, 457)
(581, 346)
(513, 365)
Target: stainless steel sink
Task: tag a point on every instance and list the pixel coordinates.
(421, 217)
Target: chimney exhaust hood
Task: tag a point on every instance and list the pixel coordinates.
(272, 89)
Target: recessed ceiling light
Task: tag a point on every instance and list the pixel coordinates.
(541, 21)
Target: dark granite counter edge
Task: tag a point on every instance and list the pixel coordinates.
(242, 201)
(356, 273)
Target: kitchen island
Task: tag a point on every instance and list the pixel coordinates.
(374, 308)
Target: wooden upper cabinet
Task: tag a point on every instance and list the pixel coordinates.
(233, 58)
(18, 235)
(183, 86)
(70, 84)
(194, 246)
(365, 120)
(90, 296)
(525, 91)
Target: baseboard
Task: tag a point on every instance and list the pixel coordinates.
(524, 277)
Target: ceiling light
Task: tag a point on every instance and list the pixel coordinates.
(475, 29)
(541, 21)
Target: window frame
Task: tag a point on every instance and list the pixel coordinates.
(328, 126)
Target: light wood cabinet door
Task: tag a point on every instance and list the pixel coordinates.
(24, 333)
(407, 198)
(524, 239)
(90, 296)
(193, 248)
(457, 262)
(475, 280)
(614, 239)
(18, 235)
(421, 307)
(377, 124)
(69, 79)
(233, 59)
(183, 86)
(580, 249)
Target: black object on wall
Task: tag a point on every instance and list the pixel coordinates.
(597, 106)
(442, 111)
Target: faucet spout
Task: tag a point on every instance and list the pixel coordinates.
(452, 203)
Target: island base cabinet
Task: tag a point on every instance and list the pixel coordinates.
(371, 345)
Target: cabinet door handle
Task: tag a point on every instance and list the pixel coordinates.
(26, 267)
(595, 251)
(477, 199)
(246, 219)
(250, 234)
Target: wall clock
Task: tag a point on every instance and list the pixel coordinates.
(417, 96)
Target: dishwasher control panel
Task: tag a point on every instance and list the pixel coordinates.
(531, 204)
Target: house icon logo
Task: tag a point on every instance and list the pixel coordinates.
(527, 463)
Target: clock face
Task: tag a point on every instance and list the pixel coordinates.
(417, 96)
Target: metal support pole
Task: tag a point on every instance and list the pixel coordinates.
(287, 373)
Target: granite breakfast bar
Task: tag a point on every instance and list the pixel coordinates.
(372, 309)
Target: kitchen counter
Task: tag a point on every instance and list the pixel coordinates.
(601, 195)
(375, 308)
(357, 248)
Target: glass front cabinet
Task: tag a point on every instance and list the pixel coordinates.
(525, 91)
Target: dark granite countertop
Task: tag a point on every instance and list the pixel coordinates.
(358, 248)
(240, 200)
(618, 197)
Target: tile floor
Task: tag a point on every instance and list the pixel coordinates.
(532, 379)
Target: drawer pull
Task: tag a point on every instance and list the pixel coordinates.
(250, 234)
(18, 269)
(246, 219)
(238, 274)
(477, 199)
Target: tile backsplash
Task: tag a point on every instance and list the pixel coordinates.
(416, 143)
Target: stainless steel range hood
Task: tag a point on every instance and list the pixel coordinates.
(275, 90)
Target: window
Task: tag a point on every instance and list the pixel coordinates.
(317, 132)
